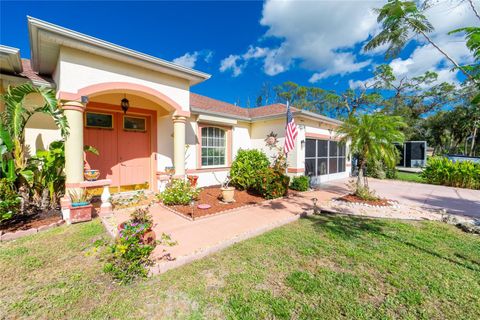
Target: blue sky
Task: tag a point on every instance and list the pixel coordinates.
(244, 44)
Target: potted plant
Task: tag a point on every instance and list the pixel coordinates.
(227, 191)
(140, 224)
(193, 180)
(80, 208)
(89, 173)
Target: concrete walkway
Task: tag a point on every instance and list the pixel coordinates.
(456, 201)
(199, 238)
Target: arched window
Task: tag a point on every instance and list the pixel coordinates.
(213, 146)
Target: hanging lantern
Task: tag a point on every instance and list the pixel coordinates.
(125, 104)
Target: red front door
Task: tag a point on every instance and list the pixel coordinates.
(124, 151)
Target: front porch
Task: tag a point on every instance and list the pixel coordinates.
(133, 145)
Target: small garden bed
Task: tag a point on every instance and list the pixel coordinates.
(351, 198)
(212, 196)
(33, 219)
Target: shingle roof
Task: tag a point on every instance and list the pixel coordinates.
(217, 106)
(32, 75)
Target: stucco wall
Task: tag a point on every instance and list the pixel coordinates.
(78, 69)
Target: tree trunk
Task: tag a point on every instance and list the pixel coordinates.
(448, 57)
(361, 174)
(474, 136)
(474, 9)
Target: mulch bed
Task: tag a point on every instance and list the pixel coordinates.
(211, 196)
(33, 219)
(354, 199)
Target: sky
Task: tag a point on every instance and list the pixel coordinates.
(244, 44)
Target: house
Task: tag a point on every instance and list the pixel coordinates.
(165, 125)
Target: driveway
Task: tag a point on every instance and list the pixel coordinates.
(455, 200)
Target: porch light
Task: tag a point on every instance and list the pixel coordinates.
(125, 104)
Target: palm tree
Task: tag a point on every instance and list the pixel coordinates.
(372, 137)
(13, 120)
(400, 18)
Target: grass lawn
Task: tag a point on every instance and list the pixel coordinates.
(316, 268)
(410, 176)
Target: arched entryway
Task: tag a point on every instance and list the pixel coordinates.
(127, 143)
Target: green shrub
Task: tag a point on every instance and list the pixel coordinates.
(9, 203)
(378, 169)
(271, 183)
(178, 192)
(300, 183)
(443, 171)
(244, 169)
(128, 258)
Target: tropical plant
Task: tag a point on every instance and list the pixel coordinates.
(9, 201)
(245, 166)
(79, 196)
(443, 171)
(372, 137)
(14, 166)
(301, 183)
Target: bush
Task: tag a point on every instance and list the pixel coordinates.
(244, 169)
(300, 183)
(443, 171)
(378, 169)
(128, 258)
(178, 192)
(9, 201)
(271, 183)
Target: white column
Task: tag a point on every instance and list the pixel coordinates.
(74, 143)
(179, 144)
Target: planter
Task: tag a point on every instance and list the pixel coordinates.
(91, 175)
(148, 237)
(193, 181)
(228, 194)
(80, 213)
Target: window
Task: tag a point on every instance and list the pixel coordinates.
(98, 120)
(134, 124)
(213, 146)
(324, 157)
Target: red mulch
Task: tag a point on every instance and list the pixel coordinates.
(211, 196)
(34, 219)
(354, 199)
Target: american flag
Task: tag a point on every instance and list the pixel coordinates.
(290, 132)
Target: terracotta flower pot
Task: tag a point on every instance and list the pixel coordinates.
(193, 181)
(228, 194)
(80, 213)
(148, 237)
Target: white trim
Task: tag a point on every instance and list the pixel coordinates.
(42, 31)
(12, 57)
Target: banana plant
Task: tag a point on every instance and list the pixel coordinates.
(12, 133)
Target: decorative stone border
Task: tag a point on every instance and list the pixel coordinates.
(23, 233)
(392, 204)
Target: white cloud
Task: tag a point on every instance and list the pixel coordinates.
(230, 63)
(320, 35)
(189, 59)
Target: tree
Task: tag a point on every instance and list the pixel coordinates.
(372, 137)
(400, 18)
(13, 161)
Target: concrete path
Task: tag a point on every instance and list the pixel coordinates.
(199, 238)
(455, 200)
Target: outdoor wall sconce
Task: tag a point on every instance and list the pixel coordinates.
(125, 104)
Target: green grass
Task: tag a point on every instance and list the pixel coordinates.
(410, 177)
(316, 268)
